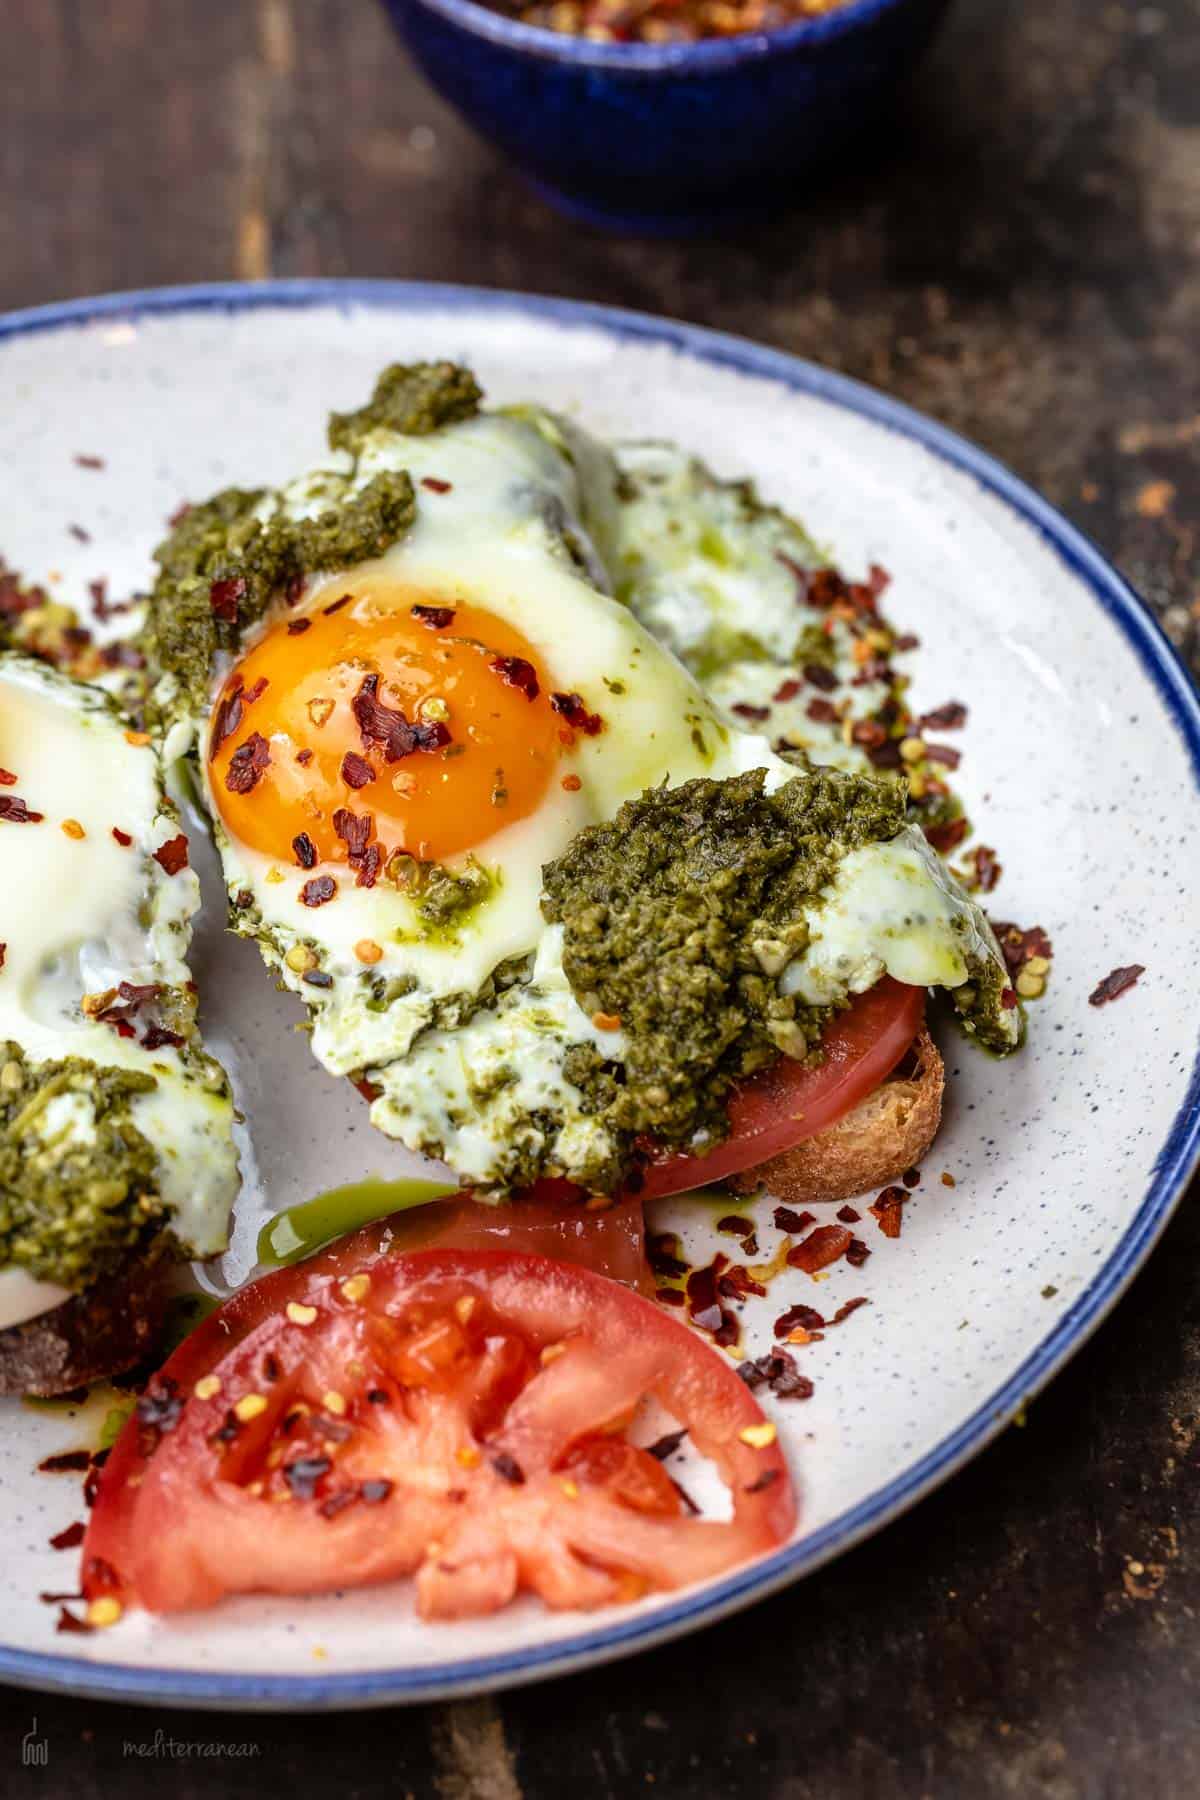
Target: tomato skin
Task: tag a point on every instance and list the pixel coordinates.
(789, 1102)
(181, 1517)
(553, 1219)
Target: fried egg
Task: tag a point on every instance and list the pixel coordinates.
(97, 898)
(400, 747)
(468, 702)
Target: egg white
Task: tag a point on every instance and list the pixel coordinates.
(79, 915)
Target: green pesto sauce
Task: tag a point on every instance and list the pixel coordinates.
(72, 1211)
(303, 1229)
(981, 1012)
(224, 540)
(412, 398)
(679, 917)
(443, 897)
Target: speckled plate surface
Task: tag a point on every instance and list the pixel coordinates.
(1081, 757)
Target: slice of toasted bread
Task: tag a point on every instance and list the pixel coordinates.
(885, 1134)
(101, 1332)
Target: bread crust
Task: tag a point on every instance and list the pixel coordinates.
(100, 1332)
(886, 1133)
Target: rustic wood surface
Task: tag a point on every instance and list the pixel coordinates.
(1018, 254)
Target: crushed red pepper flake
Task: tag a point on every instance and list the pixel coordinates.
(70, 1537)
(296, 626)
(887, 1209)
(984, 869)
(305, 850)
(354, 829)
(847, 1308)
(3, 954)
(173, 855)
(7, 778)
(247, 764)
(848, 1216)
(1117, 981)
(66, 1462)
(948, 836)
(822, 712)
(950, 717)
(745, 710)
(517, 672)
(508, 1468)
(776, 1370)
(788, 1220)
(818, 675)
(437, 618)
(157, 1037)
(857, 1253)
(1019, 946)
(85, 460)
(304, 757)
(320, 889)
(944, 754)
(226, 596)
(787, 690)
(356, 770)
(388, 728)
(806, 1318)
(336, 606)
(227, 717)
(435, 484)
(16, 811)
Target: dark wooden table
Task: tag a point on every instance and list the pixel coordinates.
(1019, 254)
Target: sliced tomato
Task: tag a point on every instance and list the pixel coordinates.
(456, 1415)
(554, 1219)
(790, 1102)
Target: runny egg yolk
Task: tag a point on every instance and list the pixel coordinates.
(431, 720)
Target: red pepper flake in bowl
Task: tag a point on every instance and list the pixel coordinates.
(1118, 981)
(662, 21)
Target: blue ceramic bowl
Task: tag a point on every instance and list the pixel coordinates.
(667, 137)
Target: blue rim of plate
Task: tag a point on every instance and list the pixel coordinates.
(1176, 1160)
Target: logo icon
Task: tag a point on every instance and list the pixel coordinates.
(35, 1751)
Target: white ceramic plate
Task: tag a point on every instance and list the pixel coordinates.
(1081, 759)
